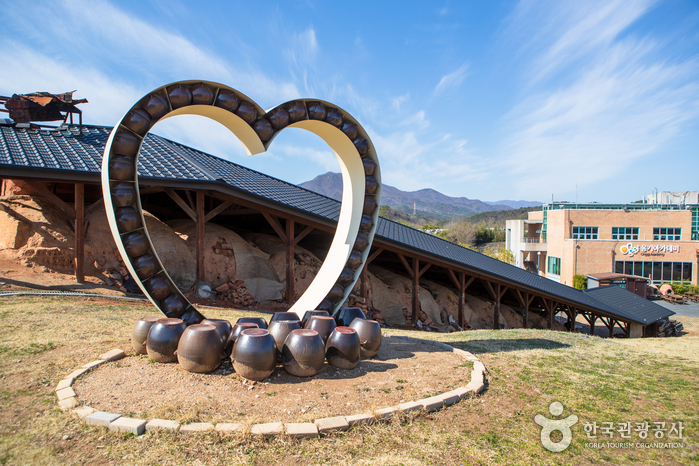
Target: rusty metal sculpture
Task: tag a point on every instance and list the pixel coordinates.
(256, 129)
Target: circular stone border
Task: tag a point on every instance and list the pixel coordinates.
(68, 399)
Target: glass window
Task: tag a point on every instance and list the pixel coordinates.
(554, 265)
(667, 234)
(623, 233)
(687, 271)
(628, 268)
(585, 232)
(647, 269)
(667, 271)
(619, 267)
(657, 271)
(638, 268)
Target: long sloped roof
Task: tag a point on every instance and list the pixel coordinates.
(629, 304)
(66, 150)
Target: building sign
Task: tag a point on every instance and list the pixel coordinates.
(649, 249)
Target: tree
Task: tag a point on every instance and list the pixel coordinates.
(580, 282)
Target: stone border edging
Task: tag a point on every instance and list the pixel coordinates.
(67, 399)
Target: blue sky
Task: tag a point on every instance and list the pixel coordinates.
(486, 100)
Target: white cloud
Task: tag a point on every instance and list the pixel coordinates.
(304, 48)
(398, 101)
(451, 80)
(603, 116)
(418, 121)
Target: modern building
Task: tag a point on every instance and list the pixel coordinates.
(656, 241)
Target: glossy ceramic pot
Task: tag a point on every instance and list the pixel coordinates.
(254, 354)
(308, 314)
(279, 329)
(284, 316)
(260, 321)
(323, 325)
(163, 338)
(369, 332)
(200, 348)
(342, 348)
(235, 333)
(140, 333)
(303, 353)
(347, 314)
(223, 327)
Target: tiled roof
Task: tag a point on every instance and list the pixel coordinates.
(67, 150)
(629, 305)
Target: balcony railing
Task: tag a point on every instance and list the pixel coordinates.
(531, 240)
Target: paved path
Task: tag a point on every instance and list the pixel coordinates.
(690, 309)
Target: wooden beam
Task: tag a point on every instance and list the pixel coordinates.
(407, 266)
(80, 232)
(364, 276)
(373, 256)
(192, 205)
(51, 197)
(416, 287)
(217, 210)
(302, 235)
(274, 222)
(462, 297)
(183, 205)
(239, 211)
(592, 320)
(201, 222)
(423, 270)
(290, 261)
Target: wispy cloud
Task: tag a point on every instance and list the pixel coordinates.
(604, 116)
(398, 101)
(304, 48)
(451, 81)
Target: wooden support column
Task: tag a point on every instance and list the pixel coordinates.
(364, 277)
(415, 273)
(461, 285)
(290, 291)
(571, 314)
(80, 232)
(201, 232)
(550, 305)
(290, 239)
(592, 321)
(525, 301)
(496, 292)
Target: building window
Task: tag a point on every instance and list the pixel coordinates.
(554, 265)
(667, 234)
(657, 272)
(585, 232)
(624, 232)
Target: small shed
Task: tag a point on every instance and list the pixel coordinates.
(633, 283)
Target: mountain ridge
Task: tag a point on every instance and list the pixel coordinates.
(426, 200)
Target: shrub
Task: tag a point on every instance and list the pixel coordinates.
(580, 282)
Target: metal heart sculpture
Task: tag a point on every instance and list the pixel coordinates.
(255, 129)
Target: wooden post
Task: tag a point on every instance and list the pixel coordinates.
(593, 320)
(497, 293)
(290, 262)
(365, 275)
(416, 288)
(461, 285)
(201, 222)
(525, 300)
(80, 232)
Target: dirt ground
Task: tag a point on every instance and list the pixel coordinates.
(402, 371)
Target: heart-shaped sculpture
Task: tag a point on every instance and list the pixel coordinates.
(255, 129)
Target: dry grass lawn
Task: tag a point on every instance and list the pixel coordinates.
(653, 380)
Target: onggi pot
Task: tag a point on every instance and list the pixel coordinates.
(284, 316)
(260, 321)
(308, 314)
(235, 333)
(163, 338)
(254, 354)
(140, 332)
(347, 314)
(369, 332)
(279, 329)
(222, 326)
(199, 349)
(323, 325)
(303, 353)
(342, 348)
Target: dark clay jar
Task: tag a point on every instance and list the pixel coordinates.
(347, 314)
(280, 329)
(223, 327)
(199, 348)
(260, 321)
(369, 332)
(140, 333)
(235, 333)
(303, 353)
(254, 354)
(284, 316)
(323, 325)
(342, 348)
(308, 314)
(163, 338)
